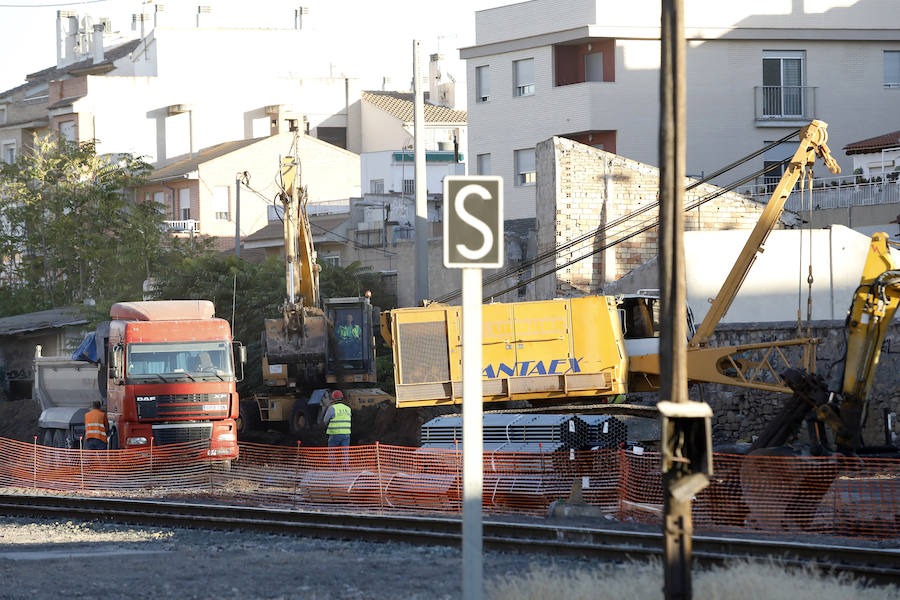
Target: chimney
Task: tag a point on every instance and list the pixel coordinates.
(140, 18)
(298, 17)
(97, 43)
(203, 16)
(65, 40)
(157, 17)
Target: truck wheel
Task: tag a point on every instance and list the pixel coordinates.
(46, 437)
(59, 438)
(249, 418)
(300, 419)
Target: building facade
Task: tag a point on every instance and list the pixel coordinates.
(589, 70)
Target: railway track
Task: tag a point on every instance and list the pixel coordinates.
(881, 565)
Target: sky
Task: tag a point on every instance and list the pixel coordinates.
(367, 38)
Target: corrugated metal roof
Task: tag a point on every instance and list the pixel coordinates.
(400, 105)
(874, 144)
(184, 166)
(44, 319)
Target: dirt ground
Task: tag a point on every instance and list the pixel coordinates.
(19, 419)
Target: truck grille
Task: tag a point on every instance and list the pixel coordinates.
(423, 352)
(163, 407)
(177, 434)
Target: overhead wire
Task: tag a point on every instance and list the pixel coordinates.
(523, 266)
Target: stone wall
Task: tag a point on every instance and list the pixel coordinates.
(741, 413)
(582, 189)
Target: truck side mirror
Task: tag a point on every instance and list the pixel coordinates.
(118, 355)
(241, 356)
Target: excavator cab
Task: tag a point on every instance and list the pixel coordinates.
(351, 353)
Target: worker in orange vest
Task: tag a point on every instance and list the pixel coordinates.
(95, 427)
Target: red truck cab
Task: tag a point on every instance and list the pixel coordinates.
(171, 376)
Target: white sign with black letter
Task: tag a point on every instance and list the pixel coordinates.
(473, 222)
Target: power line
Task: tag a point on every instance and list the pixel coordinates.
(52, 5)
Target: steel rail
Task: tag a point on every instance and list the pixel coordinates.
(880, 565)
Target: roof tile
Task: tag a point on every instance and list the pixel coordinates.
(400, 105)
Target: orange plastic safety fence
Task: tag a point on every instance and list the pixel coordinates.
(838, 496)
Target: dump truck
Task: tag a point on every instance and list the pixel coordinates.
(164, 371)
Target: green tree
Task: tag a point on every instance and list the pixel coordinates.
(69, 232)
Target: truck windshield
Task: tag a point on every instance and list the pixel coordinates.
(180, 361)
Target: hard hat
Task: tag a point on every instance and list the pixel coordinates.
(337, 395)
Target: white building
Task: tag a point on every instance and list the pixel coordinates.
(589, 70)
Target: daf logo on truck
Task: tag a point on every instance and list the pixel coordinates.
(145, 398)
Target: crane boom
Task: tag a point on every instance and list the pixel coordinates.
(813, 140)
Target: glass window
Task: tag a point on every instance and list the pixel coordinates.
(483, 164)
(482, 84)
(376, 186)
(2, 115)
(349, 334)
(179, 361)
(9, 153)
(892, 68)
(525, 167)
(409, 187)
(523, 77)
(593, 67)
(783, 83)
(67, 130)
(184, 204)
(220, 202)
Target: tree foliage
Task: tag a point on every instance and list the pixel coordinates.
(68, 231)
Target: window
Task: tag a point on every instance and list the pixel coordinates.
(159, 198)
(67, 130)
(483, 164)
(184, 204)
(523, 77)
(376, 186)
(9, 153)
(892, 68)
(774, 157)
(2, 115)
(482, 84)
(220, 202)
(333, 261)
(368, 238)
(593, 67)
(525, 167)
(409, 187)
(783, 83)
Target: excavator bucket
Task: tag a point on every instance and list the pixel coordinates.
(284, 345)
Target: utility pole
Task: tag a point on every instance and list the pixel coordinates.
(686, 443)
(238, 178)
(422, 233)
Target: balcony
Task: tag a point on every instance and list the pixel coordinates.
(784, 105)
(831, 192)
(185, 225)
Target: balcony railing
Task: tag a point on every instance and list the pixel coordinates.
(784, 102)
(832, 192)
(187, 225)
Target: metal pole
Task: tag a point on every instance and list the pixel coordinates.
(34, 464)
(677, 524)
(237, 215)
(422, 233)
(473, 445)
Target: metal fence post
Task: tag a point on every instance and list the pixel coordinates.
(81, 458)
(34, 466)
(297, 471)
(151, 462)
(378, 467)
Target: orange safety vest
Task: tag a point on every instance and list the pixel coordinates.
(95, 425)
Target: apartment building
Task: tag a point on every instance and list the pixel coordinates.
(158, 97)
(588, 70)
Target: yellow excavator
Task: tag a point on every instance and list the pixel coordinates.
(315, 346)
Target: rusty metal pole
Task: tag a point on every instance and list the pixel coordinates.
(677, 523)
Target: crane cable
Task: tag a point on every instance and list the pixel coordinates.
(521, 267)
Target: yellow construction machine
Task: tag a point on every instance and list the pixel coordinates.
(594, 348)
(314, 346)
